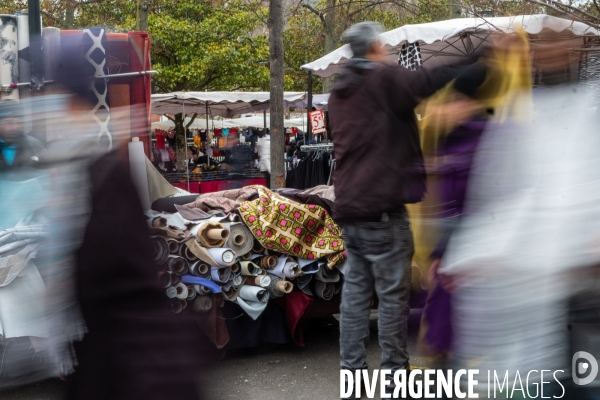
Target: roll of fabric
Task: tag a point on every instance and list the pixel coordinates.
(202, 290)
(253, 300)
(310, 266)
(219, 274)
(324, 290)
(164, 279)
(303, 283)
(173, 245)
(250, 269)
(171, 292)
(191, 293)
(286, 268)
(212, 256)
(175, 279)
(207, 283)
(263, 281)
(178, 265)
(202, 304)
(160, 249)
(164, 267)
(240, 239)
(324, 274)
(178, 306)
(182, 291)
(200, 268)
(231, 293)
(223, 257)
(236, 269)
(169, 231)
(269, 262)
(278, 287)
(238, 281)
(246, 257)
(257, 247)
(212, 234)
(184, 251)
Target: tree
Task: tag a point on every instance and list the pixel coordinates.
(276, 56)
(181, 138)
(335, 16)
(208, 46)
(142, 15)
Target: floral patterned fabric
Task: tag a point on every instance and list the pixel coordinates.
(299, 230)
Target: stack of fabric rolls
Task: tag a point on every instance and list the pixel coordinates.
(247, 245)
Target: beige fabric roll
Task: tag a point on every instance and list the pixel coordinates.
(173, 245)
(268, 262)
(212, 234)
(284, 286)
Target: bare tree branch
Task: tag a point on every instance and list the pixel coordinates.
(575, 9)
(315, 11)
(191, 120)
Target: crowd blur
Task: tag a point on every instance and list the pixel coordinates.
(513, 249)
(515, 180)
(79, 297)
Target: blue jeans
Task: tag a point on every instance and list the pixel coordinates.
(379, 259)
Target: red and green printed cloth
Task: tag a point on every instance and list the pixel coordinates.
(300, 230)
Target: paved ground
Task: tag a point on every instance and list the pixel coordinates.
(270, 372)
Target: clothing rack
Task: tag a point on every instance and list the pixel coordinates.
(311, 147)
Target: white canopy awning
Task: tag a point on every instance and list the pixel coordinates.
(258, 121)
(447, 37)
(255, 121)
(225, 104)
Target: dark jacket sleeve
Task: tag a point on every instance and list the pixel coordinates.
(420, 84)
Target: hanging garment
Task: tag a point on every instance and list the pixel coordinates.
(299, 230)
(410, 56)
(160, 139)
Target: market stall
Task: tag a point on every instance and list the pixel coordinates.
(211, 141)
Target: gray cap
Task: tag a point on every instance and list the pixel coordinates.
(361, 37)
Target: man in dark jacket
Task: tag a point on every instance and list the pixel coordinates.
(379, 168)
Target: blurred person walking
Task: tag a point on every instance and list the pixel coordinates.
(529, 228)
(379, 169)
(264, 154)
(107, 324)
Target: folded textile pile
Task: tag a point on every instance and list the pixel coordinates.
(276, 245)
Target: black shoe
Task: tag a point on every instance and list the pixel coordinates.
(353, 395)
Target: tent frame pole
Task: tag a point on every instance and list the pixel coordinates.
(309, 105)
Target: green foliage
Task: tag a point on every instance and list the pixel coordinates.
(303, 42)
(209, 46)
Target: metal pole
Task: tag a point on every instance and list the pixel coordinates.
(207, 142)
(309, 105)
(265, 119)
(35, 46)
